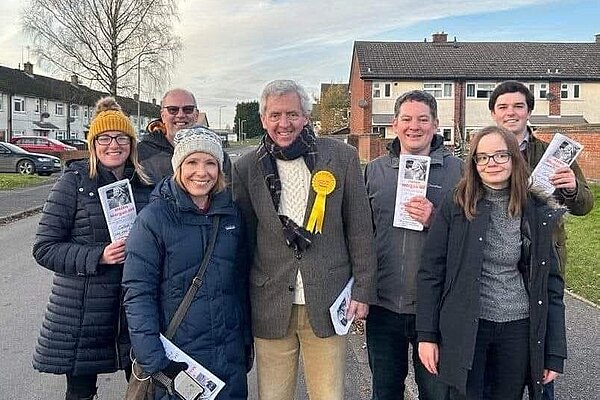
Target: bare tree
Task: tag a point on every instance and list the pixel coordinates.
(104, 40)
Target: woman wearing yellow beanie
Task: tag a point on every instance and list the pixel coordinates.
(84, 331)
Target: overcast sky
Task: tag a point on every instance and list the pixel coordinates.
(232, 48)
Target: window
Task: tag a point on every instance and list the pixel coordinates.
(74, 110)
(60, 109)
(447, 134)
(543, 92)
(387, 89)
(19, 104)
(376, 90)
(45, 106)
(60, 135)
(569, 91)
(380, 130)
(480, 90)
(85, 112)
(439, 90)
(37, 106)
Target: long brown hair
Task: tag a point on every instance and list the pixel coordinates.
(470, 188)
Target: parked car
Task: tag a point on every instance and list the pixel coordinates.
(15, 159)
(41, 144)
(79, 144)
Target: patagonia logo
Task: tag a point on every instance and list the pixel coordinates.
(230, 227)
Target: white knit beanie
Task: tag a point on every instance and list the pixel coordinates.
(196, 139)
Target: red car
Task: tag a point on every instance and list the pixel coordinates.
(41, 144)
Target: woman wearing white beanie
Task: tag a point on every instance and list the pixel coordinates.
(164, 251)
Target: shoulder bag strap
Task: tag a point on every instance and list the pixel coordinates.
(196, 283)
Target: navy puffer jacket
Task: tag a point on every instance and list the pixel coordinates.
(164, 251)
(83, 330)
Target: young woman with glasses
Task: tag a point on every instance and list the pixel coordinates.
(83, 332)
(490, 310)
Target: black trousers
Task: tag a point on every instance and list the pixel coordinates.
(388, 338)
(80, 387)
(501, 361)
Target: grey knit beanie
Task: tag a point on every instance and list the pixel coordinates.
(196, 139)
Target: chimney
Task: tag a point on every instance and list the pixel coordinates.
(439, 37)
(74, 80)
(28, 68)
(154, 100)
(597, 37)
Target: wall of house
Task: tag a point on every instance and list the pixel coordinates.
(588, 105)
(360, 117)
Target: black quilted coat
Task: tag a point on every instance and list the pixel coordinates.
(84, 329)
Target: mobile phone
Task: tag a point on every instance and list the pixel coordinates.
(186, 387)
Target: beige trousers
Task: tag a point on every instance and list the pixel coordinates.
(323, 358)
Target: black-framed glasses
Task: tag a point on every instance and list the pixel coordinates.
(106, 140)
(501, 157)
(174, 110)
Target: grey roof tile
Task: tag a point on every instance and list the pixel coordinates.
(478, 60)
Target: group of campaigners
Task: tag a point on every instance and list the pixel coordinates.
(478, 293)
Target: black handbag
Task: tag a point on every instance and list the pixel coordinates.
(141, 385)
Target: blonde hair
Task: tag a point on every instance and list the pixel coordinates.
(109, 116)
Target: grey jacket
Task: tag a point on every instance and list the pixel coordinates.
(344, 249)
(398, 249)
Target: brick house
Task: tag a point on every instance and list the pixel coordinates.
(564, 77)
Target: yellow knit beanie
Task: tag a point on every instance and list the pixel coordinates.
(109, 117)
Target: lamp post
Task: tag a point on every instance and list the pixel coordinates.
(220, 108)
(139, 87)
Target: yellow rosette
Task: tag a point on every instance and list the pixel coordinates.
(323, 183)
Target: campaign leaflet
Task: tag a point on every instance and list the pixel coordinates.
(211, 384)
(413, 174)
(118, 206)
(561, 152)
(338, 309)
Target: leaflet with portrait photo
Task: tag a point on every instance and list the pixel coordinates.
(211, 384)
(561, 152)
(338, 309)
(413, 175)
(118, 206)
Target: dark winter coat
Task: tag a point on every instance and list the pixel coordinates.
(155, 153)
(398, 249)
(164, 251)
(579, 203)
(448, 289)
(83, 331)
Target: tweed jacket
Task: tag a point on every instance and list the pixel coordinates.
(344, 248)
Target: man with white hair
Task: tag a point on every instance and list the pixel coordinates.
(306, 210)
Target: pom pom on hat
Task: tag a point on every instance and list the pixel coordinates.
(196, 139)
(109, 117)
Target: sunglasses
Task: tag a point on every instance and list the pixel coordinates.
(174, 110)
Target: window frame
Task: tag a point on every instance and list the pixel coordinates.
(439, 86)
(61, 107)
(479, 87)
(21, 101)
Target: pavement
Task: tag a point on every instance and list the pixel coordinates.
(583, 323)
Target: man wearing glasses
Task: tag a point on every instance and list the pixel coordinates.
(511, 104)
(178, 110)
(292, 180)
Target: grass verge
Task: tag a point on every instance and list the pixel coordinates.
(583, 248)
(14, 181)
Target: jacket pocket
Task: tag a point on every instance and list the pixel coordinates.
(257, 278)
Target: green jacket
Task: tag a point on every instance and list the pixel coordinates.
(579, 203)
